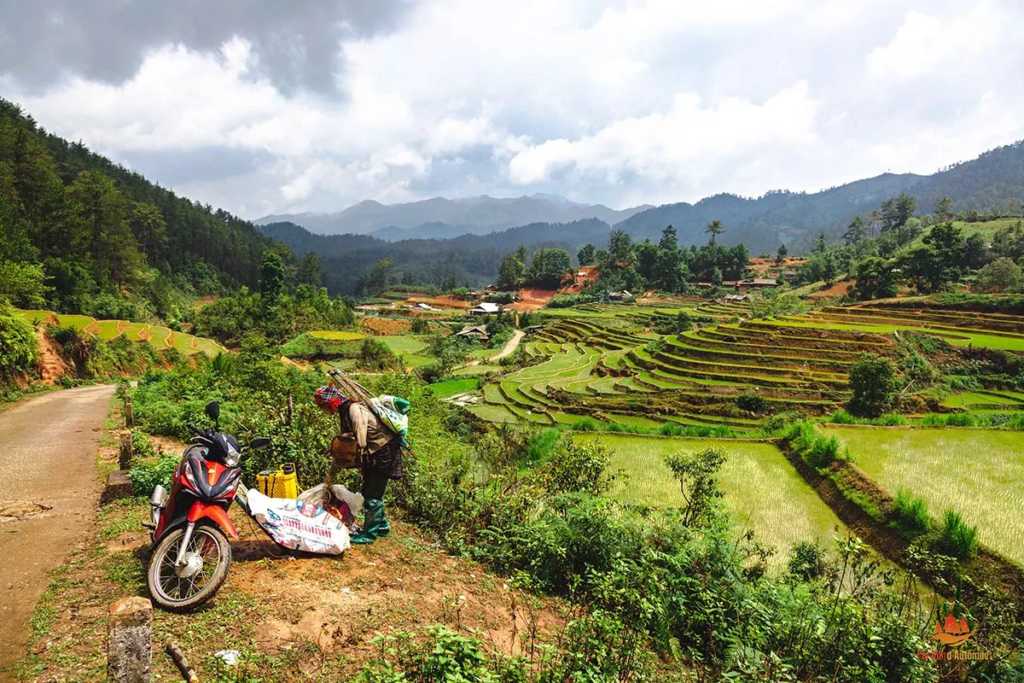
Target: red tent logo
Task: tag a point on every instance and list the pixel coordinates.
(953, 632)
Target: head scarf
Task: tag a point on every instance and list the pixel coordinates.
(329, 397)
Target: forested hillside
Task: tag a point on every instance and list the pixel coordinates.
(992, 182)
(80, 234)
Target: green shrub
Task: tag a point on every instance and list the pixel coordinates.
(911, 514)
(18, 348)
(142, 447)
(873, 384)
(751, 402)
(808, 561)
(146, 476)
(956, 537)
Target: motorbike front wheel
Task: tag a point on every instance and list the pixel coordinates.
(207, 560)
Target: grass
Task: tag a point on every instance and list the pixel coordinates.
(762, 489)
(454, 387)
(336, 335)
(977, 472)
(404, 344)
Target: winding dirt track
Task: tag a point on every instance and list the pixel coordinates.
(48, 493)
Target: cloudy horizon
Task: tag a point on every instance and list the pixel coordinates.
(272, 108)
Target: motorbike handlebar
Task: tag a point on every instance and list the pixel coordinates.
(197, 430)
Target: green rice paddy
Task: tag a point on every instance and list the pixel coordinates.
(978, 472)
(762, 490)
(454, 387)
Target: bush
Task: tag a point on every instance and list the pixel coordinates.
(807, 560)
(18, 349)
(911, 514)
(146, 476)
(751, 402)
(873, 384)
(956, 537)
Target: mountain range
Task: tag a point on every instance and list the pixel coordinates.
(440, 218)
(763, 223)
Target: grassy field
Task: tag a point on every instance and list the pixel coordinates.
(335, 335)
(762, 489)
(978, 472)
(404, 344)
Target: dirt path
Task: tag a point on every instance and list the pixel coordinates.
(510, 348)
(48, 491)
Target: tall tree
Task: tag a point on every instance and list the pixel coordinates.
(150, 230)
(897, 211)
(309, 269)
(585, 255)
(855, 230)
(669, 239)
(714, 228)
(780, 255)
(944, 209)
(104, 210)
(510, 272)
(620, 249)
(271, 276)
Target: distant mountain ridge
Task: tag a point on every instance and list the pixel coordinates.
(763, 223)
(794, 218)
(440, 218)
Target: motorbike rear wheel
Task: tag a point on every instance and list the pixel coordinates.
(183, 589)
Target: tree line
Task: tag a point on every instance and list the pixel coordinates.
(890, 246)
(80, 234)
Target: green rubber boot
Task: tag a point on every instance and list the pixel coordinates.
(385, 526)
(373, 513)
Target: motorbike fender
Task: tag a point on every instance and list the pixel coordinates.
(214, 513)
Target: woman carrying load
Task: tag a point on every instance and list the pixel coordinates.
(381, 453)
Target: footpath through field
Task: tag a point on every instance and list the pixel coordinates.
(511, 346)
(48, 491)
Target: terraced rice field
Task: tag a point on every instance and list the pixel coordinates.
(604, 365)
(160, 337)
(979, 473)
(762, 490)
(1002, 401)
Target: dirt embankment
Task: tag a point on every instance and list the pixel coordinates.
(51, 365)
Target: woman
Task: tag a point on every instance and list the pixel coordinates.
(381, 456)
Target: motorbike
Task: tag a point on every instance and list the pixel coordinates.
(190, 524)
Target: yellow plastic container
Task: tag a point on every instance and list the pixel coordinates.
(280, 484)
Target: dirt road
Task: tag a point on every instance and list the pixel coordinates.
(48, 491)
(510, 348)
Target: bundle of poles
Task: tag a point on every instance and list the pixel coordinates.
(353, 389)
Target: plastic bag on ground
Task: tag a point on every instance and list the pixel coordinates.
(352, 506)
(298, 524)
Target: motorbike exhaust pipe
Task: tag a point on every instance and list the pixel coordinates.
(157, 502)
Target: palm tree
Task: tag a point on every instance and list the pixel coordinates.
(714, 229)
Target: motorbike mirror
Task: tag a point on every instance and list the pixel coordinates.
(213, 410)
(259, 442)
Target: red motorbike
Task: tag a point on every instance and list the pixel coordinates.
(191, 555)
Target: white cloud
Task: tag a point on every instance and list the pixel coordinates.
(618, 102)
(657, 147)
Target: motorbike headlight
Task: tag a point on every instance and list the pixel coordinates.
(232, 458)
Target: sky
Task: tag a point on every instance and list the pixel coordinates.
(262, 106)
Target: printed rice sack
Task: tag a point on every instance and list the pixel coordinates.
(299, 525)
